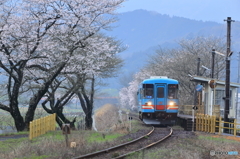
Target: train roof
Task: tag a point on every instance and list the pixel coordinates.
(159, 80)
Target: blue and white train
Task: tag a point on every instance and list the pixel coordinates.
(158, 100)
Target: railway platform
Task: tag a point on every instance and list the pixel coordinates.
(186, 121)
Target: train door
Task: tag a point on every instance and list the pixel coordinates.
(161, 97)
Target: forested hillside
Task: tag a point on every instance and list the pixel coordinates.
(144, 32)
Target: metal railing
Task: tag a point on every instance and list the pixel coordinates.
(187, 109)
(213, 124)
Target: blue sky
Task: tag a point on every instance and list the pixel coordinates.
(205, 10)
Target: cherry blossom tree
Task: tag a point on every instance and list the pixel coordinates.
(39, 39)
(177, 63)
(128, 95)
(82, 83)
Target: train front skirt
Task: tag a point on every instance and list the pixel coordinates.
(158, 122)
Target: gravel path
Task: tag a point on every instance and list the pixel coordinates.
(2, 138)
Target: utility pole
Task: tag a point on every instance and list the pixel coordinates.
(238, 88)
(195, 92)
(238, 79)
(213, 59)
(198, 65)
(195, 95)
(227, 80)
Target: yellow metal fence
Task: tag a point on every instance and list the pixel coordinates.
(214, 124)
(42, 125)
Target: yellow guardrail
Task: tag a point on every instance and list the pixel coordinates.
(42, 125)
(205, 123)
(209, 124)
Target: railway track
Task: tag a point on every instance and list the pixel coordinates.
(155, 140)
(153, 137)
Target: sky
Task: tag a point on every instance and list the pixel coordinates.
(205, 10)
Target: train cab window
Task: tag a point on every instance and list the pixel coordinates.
(148, 90)
(140, 93)
(172, 91)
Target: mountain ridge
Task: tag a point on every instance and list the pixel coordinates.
(144, 31)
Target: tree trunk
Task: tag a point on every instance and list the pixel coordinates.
(89, 102)
(59, 122)
(14, 110)
(58, 109)
(37, 97)
(13, 97)
(64, 120)
(19, 122)
(32, 107)
(88, 121)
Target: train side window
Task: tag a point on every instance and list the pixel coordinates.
(160, 92)
(172, 91)
(148, 90)
(141, 93)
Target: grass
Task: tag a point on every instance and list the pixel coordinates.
(9, 144)
(102, 137)
(27, 149)
(53, 144)
(196, 147)
(210, 138)
(34, 156)
(57, 135)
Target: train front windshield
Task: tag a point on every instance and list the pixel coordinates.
(148, 90)
(172, 91)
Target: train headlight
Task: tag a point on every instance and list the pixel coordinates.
(171, 103)
(149, 103)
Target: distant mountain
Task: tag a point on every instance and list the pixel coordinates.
(144, 31)
(141, 29)
(206, 10)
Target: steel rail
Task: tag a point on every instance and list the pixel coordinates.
(154, 143)
(114, 147)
